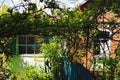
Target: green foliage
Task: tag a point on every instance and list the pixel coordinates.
(32, 7)
(31, 73)
(111, 62)
(34, 21)
(20, 71)
(15, 64)
(117, 72)
(41, 0)
(3, 9)
(117, 51)
(71, 18)
(55, 53)
(116, 6)
(111, 66)
(25, 0)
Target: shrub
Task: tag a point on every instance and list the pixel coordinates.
(20, 71)
(55, 53)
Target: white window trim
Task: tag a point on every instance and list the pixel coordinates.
(98, 66)
(105, 47)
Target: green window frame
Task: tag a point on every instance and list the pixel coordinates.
(27, 44)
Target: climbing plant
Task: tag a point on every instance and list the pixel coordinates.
(76, 26)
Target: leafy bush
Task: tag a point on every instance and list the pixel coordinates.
(15, 64)
(117, 70)
(20, 71)
(55, 53)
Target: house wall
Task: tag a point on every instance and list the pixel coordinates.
(87, 60)
(30, 59)
(33, 60)
(114, 43)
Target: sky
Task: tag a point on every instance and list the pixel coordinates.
(71, 3)
(12, 2)
(9, 2)
(63, 3)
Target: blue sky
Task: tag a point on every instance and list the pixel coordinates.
(6, 1)
(9, 2)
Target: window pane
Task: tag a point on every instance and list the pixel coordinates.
(96, 47)
(22, 49)
(37, 50)
(22, 40)
(28, 45)
(104, 34)
(30, 49)
(30, 40)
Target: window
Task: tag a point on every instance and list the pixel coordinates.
(96, 47)
(104, 36)
(101, 43)
(27, 45)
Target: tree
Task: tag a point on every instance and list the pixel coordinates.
(4, 9)
(76, 26)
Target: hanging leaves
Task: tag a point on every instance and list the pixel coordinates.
(32, 7)
(41, 0)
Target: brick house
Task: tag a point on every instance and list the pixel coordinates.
(27, 46)
(109, 39)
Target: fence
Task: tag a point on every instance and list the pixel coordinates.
(76, 71)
